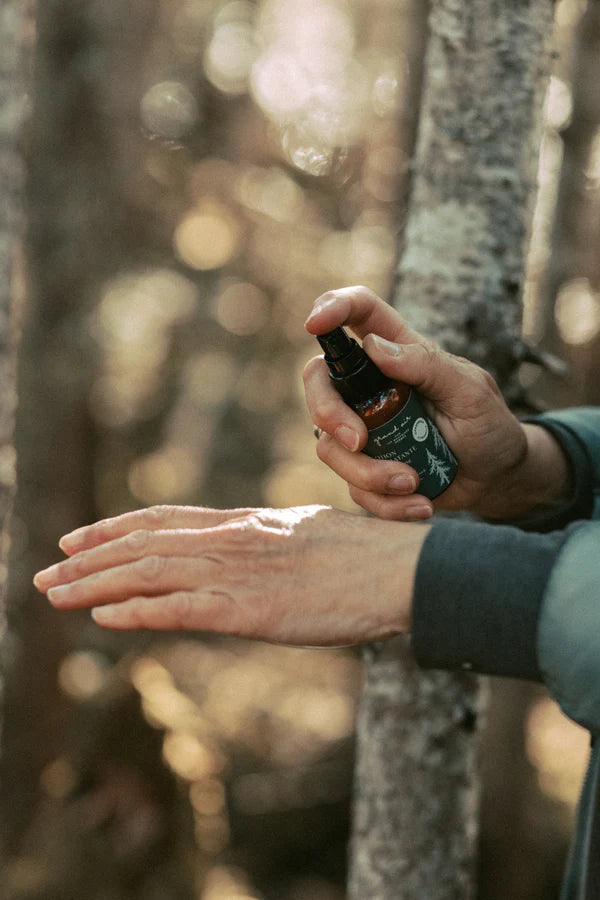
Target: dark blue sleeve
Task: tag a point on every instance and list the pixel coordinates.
(581, 501)
(477, 597)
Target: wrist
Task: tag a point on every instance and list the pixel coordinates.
(398, 575)
(541, 478)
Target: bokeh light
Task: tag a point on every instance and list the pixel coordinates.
(241, 307)
(577, 312)
(169, 110)
(132, 325)
(208, 236)
(82, 674)
(163, 476)
(559, 750)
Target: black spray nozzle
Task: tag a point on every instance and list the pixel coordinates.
(355, 376)
(336, 343)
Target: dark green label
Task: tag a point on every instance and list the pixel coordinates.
(411, 437)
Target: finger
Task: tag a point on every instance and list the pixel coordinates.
(440, 376)
(414, 508)
(370, 475)
(133, 546)
(148, 576)
(178, 610)
(363, 311)
(327, 409)
(152, 518)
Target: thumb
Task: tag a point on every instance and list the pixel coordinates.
(435, 373)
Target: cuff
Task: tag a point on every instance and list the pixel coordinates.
(477, 597)
(581, 502)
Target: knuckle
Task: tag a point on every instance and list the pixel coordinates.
(181, 607)
(367, 293)
(150, 568)
(326, 412)
(311, 367)
(487, 381)
(137, 542)
(103, 530)
(431, 350)
(74, 568)
(159, 515)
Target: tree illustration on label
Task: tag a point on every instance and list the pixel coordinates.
(438, 468)
(440, 444)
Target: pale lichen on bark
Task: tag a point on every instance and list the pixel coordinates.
(459, 281)
(474, 173)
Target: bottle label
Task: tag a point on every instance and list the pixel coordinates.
(411, 437)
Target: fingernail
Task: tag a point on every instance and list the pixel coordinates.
(385, 346)
(104, 613)
(419, 511)
(39, 578)
(71, 541)
(347, 436)
(58, 595)
(402, 484)
(321, 304)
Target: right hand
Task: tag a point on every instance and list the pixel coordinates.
(463, 400)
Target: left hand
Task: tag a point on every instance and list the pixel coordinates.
(307, 575)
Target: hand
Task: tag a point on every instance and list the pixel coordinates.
(505, 469)
(307, 575)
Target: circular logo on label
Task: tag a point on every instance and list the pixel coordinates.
(420, 430)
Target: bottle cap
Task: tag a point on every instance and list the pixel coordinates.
(353, 373)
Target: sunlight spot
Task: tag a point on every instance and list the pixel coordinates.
(559, 750)
(388, 88)
(208, 236)
(242, 308)
(279, 84)
(230, 55)
(559, 104)
(577, 312)
(58, 779)
(270, 192)
(187, 755)
(83, 674)
(209, 377)
(207, 796)
(163, 476)
(295, 483)
(226, 883)
(592, 169)
(169, 110)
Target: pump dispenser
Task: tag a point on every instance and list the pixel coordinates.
(398, 426)
(354, 374)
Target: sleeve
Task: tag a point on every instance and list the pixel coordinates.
(505, 601)
(581, 501)
(568, 642)
(477, 597)
(578, 445)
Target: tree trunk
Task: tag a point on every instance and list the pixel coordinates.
(459, 281)
(11, 108)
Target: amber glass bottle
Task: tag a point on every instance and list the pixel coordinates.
(398, 426)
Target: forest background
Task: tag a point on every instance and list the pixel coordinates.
(197, 172)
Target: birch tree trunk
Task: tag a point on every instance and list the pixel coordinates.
(459, 281)
(11, 108)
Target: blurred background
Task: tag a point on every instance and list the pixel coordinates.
(199, 171)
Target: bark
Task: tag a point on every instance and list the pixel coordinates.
(11, 111)
(459, 281)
